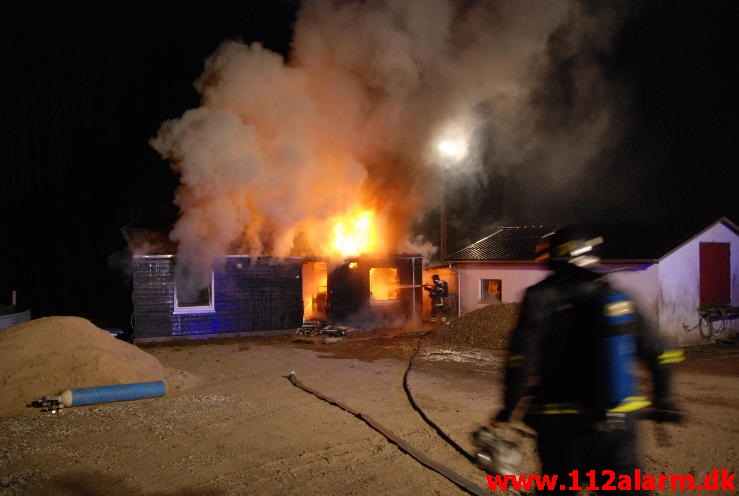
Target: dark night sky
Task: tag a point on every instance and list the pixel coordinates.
(85, 87)
(676, 164)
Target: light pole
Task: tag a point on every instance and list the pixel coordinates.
(442, 222)
(452, 152)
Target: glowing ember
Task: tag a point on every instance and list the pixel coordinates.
(355, 234)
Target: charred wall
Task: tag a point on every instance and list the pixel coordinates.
(350, 291)
(248, 295)
(261, 294)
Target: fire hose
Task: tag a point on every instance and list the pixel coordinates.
(464, 484)
(488, 443)
(423, 415)
(660, 418)
(461, 482)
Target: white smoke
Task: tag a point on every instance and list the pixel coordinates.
(278, 148)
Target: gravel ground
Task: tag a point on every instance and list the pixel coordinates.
(232, 424)
(487, 328)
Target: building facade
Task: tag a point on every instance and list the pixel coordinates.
(674, 288)
(247, 295)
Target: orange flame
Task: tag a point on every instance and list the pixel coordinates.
(384, 284)
(355, 234)
(315, 277)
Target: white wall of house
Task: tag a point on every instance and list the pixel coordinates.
(679, 274)
(667, 292)
(515, 279)
(641, 282)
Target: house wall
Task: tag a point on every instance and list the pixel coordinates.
(666, 292)
(249, 295)
(350, 299)
(641, 282)
(153, 296)
(515, 279)
(679, 274)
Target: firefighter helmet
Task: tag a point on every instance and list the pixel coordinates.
(569, 244)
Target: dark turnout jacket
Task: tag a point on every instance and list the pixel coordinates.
(573, 350)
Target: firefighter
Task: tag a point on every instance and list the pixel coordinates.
(573, 351)
(438, 292)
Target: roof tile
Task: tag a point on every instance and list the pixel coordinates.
(507, 243)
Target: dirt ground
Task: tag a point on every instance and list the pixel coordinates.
(231, 422)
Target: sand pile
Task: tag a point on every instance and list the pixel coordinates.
(487, 328)
(49, 355)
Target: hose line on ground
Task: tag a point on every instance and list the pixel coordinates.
(464, 484)
(420, 412)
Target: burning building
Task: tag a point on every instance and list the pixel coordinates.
(252, 295)
(302, 175)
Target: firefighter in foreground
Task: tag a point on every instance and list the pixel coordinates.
(573, 351)
(438, 291)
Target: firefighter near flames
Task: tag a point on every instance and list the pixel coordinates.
(438, 292)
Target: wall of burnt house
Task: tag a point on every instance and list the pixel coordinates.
(252, 295)
(350, 292)
(410, 271)
(153, 294)
(248, 295)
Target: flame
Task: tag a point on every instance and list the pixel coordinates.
(315, 277)
(384, 284)
(355, 234)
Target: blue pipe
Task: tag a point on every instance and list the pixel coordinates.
(106, 394)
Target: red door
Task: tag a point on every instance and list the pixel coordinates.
(715, 274)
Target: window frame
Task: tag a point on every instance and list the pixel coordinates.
(385, 301)
(483, 293)
(195, 309)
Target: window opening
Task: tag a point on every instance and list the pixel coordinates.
(199, 301)
(384, 284)
(491, 291)
(315, 291)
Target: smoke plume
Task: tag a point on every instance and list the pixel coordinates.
(279, 149)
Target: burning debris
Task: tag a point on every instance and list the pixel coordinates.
(315, 328)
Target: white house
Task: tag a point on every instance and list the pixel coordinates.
(670, 281)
